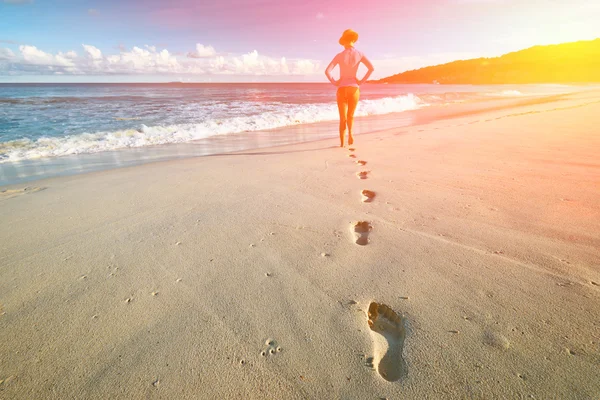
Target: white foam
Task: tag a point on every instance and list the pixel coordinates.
(277, 116)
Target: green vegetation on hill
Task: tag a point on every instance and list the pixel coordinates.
(577, 62)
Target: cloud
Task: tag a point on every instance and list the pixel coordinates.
(139, 60)
(217, 64)
(253, 63)
(202, 51)
(6, 54)
(33, 55)
(93, 12)
(149, 60)
(92, 52)
(320, 15)
(33, 59)
(305, 67)
(66, 59)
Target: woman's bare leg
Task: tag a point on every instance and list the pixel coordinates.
(352, 103)
(343, 109)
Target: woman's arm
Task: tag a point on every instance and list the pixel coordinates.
(370, 69)
(329, 69)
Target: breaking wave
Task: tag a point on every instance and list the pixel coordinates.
(256, 117)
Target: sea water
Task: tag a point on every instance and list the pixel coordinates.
(52, 129)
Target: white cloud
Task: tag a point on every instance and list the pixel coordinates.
(139, 60)
(33, 55)
(93, 52)
(64, 60)
(305, 67)
(284, 67)
(255, 64)
(34, 59)
(217, 64)
(250, 60)
(6, 54)
(149, 60)
(202, 51)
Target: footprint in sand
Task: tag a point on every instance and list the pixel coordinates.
(367, 196)
(351, 156)
(361, 162)
(362, 174)
(351, 149)
(361, 232)
(495, 339)
(389, 334)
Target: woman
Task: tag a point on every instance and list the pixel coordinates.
(348, 92)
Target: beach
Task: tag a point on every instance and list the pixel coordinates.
(251, 274)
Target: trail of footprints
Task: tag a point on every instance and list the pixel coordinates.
(362, 229)
(387, 327)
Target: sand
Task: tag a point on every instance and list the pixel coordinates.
(473, 238)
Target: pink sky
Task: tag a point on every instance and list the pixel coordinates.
(269, 39)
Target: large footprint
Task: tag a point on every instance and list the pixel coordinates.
(389, 341)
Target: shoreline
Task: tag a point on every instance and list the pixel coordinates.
(28, 171)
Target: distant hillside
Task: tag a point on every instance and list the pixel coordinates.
(576, 62)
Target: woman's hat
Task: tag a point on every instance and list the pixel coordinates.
(348, 36)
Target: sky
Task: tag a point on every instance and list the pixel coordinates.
(267, 40)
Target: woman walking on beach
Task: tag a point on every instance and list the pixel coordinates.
(348, 92)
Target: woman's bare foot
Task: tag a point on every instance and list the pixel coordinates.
(350, 139)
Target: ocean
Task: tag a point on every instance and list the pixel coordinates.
(48, 130)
